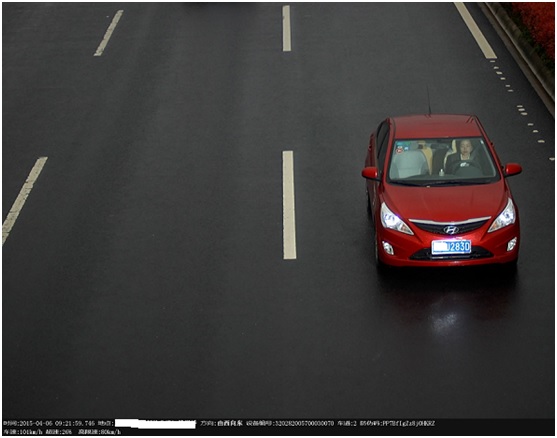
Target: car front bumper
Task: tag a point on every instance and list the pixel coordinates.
(398, 249)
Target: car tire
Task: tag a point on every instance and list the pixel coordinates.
(510, 268)
(378, 263)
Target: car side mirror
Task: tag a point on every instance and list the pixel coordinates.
(511, 169)
(371, 173)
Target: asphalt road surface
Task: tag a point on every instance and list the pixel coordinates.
(145, 275)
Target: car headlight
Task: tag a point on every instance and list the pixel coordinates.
(506, 218)
(392, 221)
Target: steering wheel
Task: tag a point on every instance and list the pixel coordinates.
(457, 164)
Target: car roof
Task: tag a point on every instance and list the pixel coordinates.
(436, 126)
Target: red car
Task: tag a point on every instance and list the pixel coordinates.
(437, 193)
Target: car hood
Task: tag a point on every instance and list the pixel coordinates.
(447, 204)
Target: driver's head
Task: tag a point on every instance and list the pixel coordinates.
(466, 147)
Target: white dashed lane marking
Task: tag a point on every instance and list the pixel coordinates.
(108, 33)
(288, 206)
(475, 31)
(21, 198)
(286, 32)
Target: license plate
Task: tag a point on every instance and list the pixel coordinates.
(439, 247)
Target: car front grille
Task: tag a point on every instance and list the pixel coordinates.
(477, 253)
(450, 229)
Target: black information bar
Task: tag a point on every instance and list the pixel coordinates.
(280, 427)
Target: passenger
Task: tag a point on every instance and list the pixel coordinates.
(426, 150)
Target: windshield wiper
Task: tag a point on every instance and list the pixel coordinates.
(445, 182)
(457, 182)
(407, 183)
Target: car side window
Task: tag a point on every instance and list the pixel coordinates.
(382, 141)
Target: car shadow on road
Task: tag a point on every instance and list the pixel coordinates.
(482, 293)
(473, 279)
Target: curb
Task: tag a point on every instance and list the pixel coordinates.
(539, 76)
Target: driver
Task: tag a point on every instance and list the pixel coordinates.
(456, 160)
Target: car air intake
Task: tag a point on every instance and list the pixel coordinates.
(450, 229)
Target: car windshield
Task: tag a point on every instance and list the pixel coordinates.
(439, 162)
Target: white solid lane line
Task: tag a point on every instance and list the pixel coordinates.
(286, 36)
(475, 30)
(288, 206)
(108, 33)
(21, 198)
